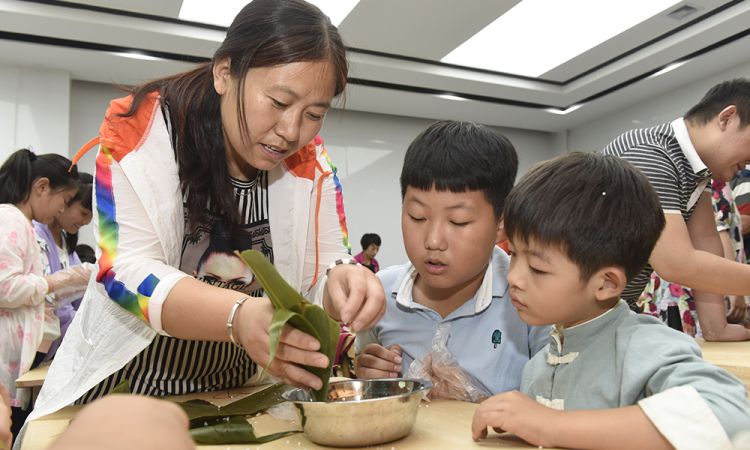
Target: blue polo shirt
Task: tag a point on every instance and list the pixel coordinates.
(485, 334)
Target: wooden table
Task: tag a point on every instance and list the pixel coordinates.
(441, 424)
(734, 357)
(33, 379)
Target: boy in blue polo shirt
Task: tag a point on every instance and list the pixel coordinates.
(448, 308)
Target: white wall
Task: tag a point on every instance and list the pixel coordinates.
(594, 136)
(34, 110)
(367, 148)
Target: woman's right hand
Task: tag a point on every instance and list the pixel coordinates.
(295, 347)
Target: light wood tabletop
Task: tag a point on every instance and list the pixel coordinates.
(441, 424)
(33, 378)
(734, 357)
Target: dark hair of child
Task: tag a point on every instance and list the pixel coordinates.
(461, 156)
(23, 167)
(598, 209)
(85, 189)
(86, 253)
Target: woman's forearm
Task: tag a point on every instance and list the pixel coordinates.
(196, 310)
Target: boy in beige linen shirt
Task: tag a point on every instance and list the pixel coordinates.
(580, 227)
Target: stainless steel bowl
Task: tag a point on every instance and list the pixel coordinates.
(360, 412)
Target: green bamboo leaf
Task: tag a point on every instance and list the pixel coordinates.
(310, 319)
(329, 339)
(199, 409)
(123, 387)
(278, 290)
(279, 319)
(232, 430)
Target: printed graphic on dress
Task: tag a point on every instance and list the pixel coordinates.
(217, 263)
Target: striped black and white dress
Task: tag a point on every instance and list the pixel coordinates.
(658, 154)
(171, 366)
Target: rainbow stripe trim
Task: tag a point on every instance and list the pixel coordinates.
(136, 303)
(339, 201)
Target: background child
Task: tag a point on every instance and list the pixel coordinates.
(448, 306)
(580, 227)
(31, 187)
(370, 246)
(58, 241)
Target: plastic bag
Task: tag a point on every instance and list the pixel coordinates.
(449, 380)
(69, 284)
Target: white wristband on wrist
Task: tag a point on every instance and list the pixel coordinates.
(338, 262)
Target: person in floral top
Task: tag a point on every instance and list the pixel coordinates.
(31, 187)
(659, 293)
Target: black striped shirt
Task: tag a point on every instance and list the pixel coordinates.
(668, 159)
(172, 366)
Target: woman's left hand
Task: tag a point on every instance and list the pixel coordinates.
(354, 295)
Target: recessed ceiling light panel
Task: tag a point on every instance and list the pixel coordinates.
(222, 12)
(535, 36)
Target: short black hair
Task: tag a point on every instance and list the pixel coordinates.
(368, 239)
(732, 92)
(461, 156)
(85, 190)
(598, 209)
(86, 253)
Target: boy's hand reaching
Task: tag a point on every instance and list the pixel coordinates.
(376, 361)
(515, 413)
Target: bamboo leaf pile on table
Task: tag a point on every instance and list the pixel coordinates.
(211, 424)
(232, 430)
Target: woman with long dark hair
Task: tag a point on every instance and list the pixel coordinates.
(231, 145)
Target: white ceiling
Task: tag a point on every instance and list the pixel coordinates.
(395, 47)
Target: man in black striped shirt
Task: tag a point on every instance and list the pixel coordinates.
(679, 158)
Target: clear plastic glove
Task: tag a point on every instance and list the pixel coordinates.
(449, 380)
(69, 284)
